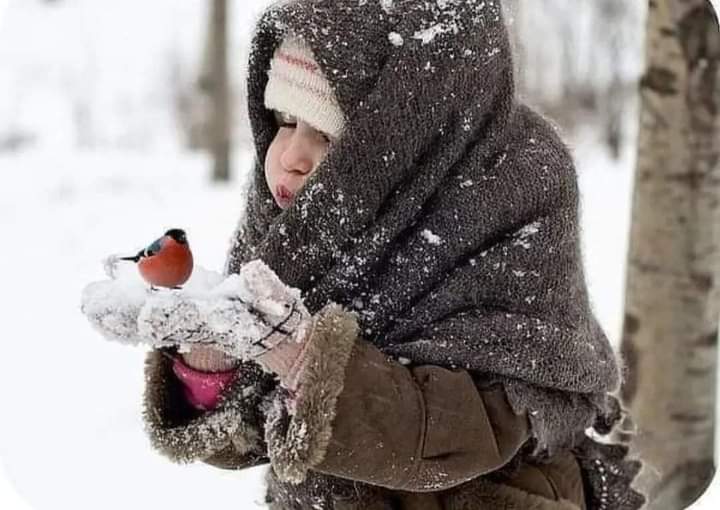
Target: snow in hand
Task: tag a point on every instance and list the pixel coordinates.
(232, 313)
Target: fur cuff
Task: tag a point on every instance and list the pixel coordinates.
(185, 435)
(298, 441)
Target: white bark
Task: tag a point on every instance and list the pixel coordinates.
(673, 281)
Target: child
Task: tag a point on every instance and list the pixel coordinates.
(451, 359)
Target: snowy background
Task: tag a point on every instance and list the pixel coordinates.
(91, 164)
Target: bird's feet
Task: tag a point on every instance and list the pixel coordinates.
(156, 289)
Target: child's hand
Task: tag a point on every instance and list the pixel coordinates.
(283, 345)
(209, 359)
(278, 308)
(244, 315)
(112, 307)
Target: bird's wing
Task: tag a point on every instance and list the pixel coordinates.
(154, 248)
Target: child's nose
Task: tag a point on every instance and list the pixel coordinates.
(297, 156)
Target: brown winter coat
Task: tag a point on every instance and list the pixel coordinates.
(409, 437)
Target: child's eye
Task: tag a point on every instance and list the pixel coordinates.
(325, 136)
(285, 120)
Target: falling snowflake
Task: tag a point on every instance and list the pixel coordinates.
(431, 238)
(387, 5)
(524, 233)
(396, 39)
(428, 35)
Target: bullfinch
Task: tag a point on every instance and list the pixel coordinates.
(167, 262)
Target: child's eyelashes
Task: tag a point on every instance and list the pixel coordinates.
(285, 120)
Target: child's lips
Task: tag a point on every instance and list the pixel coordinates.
(284, 195)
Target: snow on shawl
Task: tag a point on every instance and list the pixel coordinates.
(446, 215)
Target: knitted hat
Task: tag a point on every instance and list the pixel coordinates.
(297, 86)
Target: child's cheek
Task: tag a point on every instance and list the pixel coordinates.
(271, 163)
(268, 177)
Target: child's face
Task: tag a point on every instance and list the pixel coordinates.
(293, 156)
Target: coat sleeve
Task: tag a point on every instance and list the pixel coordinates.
(360, 415)
(230, 436)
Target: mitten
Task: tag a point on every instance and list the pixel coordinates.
(209, 359)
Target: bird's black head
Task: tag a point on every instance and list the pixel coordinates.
(178, 235)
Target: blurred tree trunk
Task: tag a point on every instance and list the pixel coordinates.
(673, 301)
(214, 82)
(614, 101)
(514, 15)
(577, 62)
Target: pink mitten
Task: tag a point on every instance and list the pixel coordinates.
(286, 359)
(288, 324)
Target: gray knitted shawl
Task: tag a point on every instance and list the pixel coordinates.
(446, 216)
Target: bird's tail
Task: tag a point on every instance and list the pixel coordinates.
(134, 258)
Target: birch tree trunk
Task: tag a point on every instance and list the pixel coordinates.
(673, 283)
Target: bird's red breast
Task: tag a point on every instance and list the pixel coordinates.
(170, 267)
